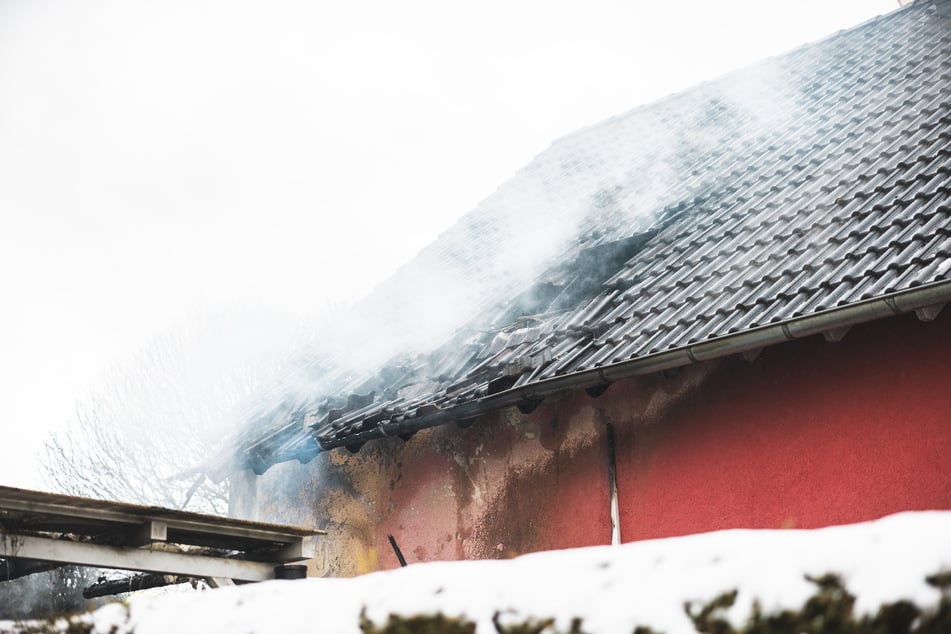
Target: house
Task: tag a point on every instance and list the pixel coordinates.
(722, 309)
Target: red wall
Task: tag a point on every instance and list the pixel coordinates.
(809, 434)
(506, 486)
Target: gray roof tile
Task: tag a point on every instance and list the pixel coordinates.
(844, 195)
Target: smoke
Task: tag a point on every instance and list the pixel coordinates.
(595, 187)
(214, 148)
(156, 416)
(242, 376)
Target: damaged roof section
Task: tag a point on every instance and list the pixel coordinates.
(812, 183)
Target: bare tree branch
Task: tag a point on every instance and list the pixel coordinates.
(165, 412)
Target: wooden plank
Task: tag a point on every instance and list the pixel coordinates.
(67, 507)
(145, 560)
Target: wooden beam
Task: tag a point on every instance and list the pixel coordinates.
(37, 503)
(150, 532)
(145, 560)
(298, 550)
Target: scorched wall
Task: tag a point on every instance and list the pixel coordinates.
(808, 434)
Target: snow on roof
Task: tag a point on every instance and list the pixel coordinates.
(612, 589)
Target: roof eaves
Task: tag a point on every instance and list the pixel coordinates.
(901, 302)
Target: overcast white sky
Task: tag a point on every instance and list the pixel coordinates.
(163, 159)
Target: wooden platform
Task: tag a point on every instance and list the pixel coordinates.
(38, 529)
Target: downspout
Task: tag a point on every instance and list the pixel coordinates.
(612, 482)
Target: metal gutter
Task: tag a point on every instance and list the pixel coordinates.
(889, 305)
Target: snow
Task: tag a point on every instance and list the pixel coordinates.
(612, 588)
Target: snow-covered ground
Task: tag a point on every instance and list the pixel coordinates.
(613, 589)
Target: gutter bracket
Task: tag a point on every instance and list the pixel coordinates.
(751, 355)
(530, 405)
(835, 335)
(928, 313)
(893, 305)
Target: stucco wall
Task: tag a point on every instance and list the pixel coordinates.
(809, 434)
(509, 484)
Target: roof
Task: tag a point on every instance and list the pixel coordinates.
(38, 529)
(803, 194)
